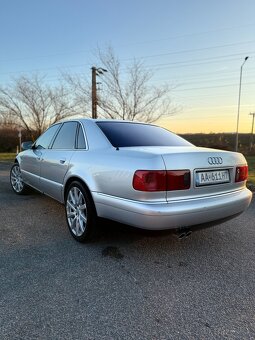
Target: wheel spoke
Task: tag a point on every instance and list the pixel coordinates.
(82, 226)
(70, 205)
(83, 218)
(80, 198)
(71, 214)
(76, 196)
(77, 227)
(72, 196)
(73, 224)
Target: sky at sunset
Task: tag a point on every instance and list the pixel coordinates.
(195, 46)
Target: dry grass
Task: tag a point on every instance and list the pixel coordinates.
(7, 157)
(251, 162)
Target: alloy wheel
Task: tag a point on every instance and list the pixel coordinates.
(16, 179)
(76, 211)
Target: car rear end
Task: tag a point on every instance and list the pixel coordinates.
(191, 186)
(201, 185)
(210, 171)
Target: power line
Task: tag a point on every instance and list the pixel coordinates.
(192, 34)
(213, 76)
(195, 64)
(148, 41)
(205, 80)
(212, 87)
(45, 56)
(46, 69)
(191, 50)
(158, 66)
(217, 58)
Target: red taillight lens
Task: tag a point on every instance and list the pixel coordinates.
(178, 179)
(161, 180)
(241, 173)
(149, 180)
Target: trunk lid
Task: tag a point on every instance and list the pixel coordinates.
(212, 171)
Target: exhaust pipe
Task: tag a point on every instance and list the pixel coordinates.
(183, 233)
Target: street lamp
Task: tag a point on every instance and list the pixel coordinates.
(95, 72)
(252, 126)
(239, 97)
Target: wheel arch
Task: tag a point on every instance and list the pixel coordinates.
(83, 183)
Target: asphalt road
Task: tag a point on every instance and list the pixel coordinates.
(127, 284)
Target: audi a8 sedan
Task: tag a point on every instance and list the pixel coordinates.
(134, 173)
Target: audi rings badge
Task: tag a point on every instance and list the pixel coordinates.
(215, 160)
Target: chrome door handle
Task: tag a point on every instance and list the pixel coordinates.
(62, 161)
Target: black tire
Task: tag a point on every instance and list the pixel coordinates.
(81, 214)
(17, 184)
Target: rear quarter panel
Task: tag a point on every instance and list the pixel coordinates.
(110, 172)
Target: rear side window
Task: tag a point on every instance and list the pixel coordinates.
(133, 134)
(66, 136)
(81, 144)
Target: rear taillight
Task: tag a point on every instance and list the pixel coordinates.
(148, 180)
(161, 180)
(241, 173)
(178, 179)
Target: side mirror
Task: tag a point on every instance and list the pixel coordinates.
(26, 145)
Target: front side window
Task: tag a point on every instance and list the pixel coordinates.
(44, 141)
(66, 136)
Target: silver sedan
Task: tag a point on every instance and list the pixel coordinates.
(137, 174)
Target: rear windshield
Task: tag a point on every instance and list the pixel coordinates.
(132, 134)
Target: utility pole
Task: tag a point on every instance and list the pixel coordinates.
(252, 126)
(95, 72)
(94, 92)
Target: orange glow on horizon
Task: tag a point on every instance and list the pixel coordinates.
(201, 121)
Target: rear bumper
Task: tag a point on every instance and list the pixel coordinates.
(175, 214)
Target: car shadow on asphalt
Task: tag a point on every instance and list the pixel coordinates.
(115, 232)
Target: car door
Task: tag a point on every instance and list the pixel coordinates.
(56, 159)
(30, 160)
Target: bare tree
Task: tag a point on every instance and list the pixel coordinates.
(33, 104)
(80, 88)
(124, 95)
(130, 96)
(6, 120)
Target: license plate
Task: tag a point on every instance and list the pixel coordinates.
(212, 177)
